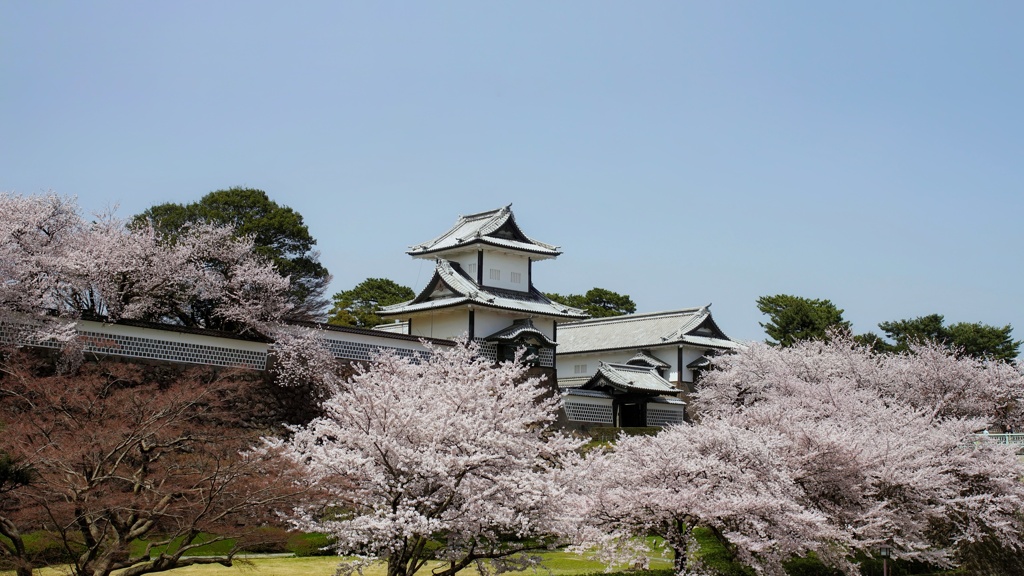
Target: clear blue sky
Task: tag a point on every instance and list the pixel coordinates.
(871, 153)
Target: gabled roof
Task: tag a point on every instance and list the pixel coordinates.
(645, 358)
(451, 286)
(496, 228)
(702, 362)
(693, 326)
(586, 393)
(519, 329)
(628, 378)
(568, 382)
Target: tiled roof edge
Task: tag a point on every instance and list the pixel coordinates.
(629, 317)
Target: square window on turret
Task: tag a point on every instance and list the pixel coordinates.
(516, 277)
(495, 274)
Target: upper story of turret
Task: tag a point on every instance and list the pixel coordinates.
(490, 248)
(482, 284)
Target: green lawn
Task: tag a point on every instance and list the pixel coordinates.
(559, 564)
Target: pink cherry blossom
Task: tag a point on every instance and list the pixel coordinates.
(449, 458)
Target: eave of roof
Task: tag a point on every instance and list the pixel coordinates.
(630, 378)
(476, 228)
(636, 331)
(519, 329)
(572, 381)
(468, 292)
(587, 393)
(634, 317)
(730, 345)
(709, 342)
(701, 362)
(666, 400)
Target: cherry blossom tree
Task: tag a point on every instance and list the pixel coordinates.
(55, 265)
(301, 359)
(883, 445)
(946, 383)
(731, 480)
(37, 236)
(121, 454)
(235, 289)
(447, 458)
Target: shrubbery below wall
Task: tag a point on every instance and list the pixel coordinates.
(125, 452)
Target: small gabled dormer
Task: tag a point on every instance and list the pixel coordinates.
(522, 334)
(647, 359)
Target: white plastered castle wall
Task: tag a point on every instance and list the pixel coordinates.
(467, 260)
(441, 324)
(509, 271)
(488, 321)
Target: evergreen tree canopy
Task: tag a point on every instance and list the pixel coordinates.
(795, 318)
(598, 302)
(278, 232)
(972, 339)
(359, 306)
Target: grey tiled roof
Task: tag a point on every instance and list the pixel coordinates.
(709, 342)
(666, 400)
(630, 379)
(637, 331)
(518, 329)
(644, 357)
(482, 228)
(466, 291)
(699, 363)
(590, 393)
(572, 381)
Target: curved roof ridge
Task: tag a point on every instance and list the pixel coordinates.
(447, 276)
(645, 355)
(691, 324)
(459, 222)
(511, 219)
(455, 279)
(632, 317)
(518, 329)
(630, 378)
(636, 331)
(500, 217)
(479, 215)
(479, 227)
(465, 290)
(711, 319)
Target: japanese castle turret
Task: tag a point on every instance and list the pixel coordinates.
(483, 288)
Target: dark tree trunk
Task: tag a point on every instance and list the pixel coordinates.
(16, 548)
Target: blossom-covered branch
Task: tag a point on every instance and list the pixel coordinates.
(448, 458)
